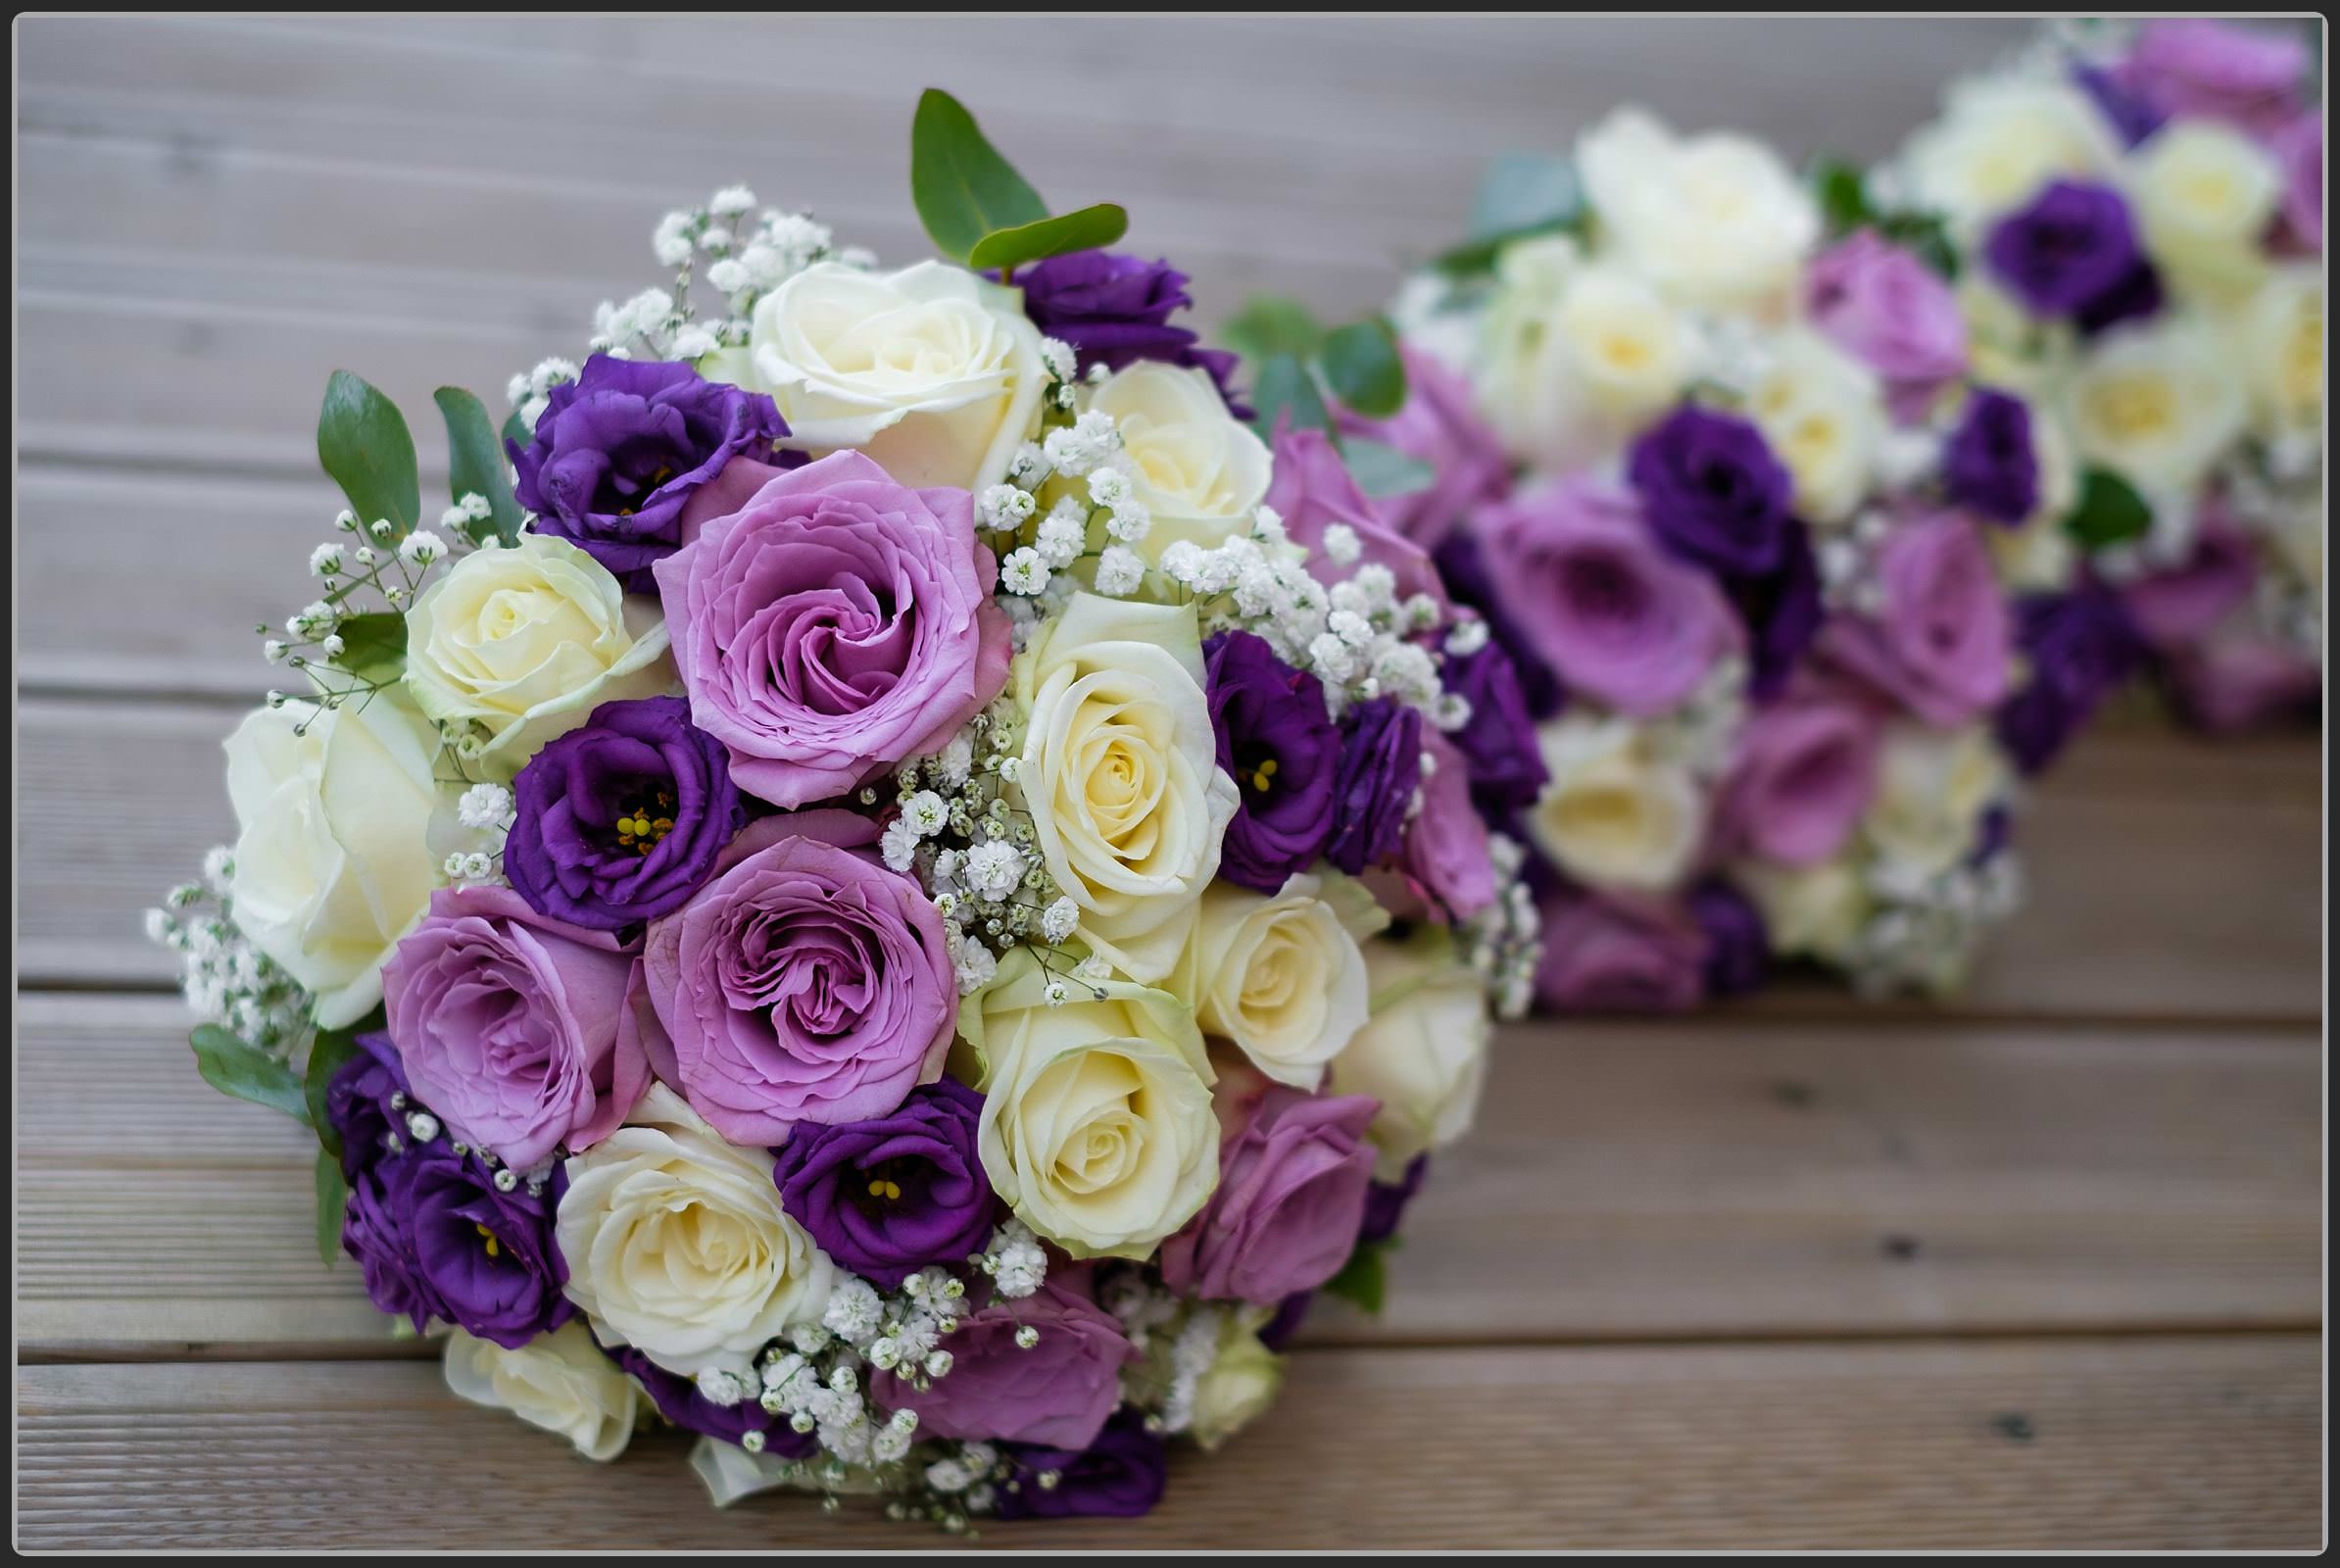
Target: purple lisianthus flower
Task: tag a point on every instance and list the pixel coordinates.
(1739, 947)
(620, 821)
(2073, 252)
(1289, 1200)
(1119, 1476)
(680, 1402)
(1282, 751)
(1613, 953)
(1990, 463)
(620, 449)
(1057, 1391)
(2132, 116)
(1498, 743)
(1439, 425)
(2194, 66)
(1713, 490)
(359, 1103)
(1781, 610)
(436, 1238)
(1386, 1201)
(888, 1195)
(2079, 645)
(1469, 574)
(1114, 309)
(1381, 767)
(1291, 1312)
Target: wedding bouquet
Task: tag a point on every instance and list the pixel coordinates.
(2138, 213)
(890, 883)
(1752, 535)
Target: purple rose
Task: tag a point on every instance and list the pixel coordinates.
(1713, 491)
(1057, 1392)
(2299, 152)
(1498, 743)
(622, 448)
(359, 1103)
(1386, 1203)
(1988, 463)
(1739, 950)
(1381, 767)
(506, 1024)
(1114, 309)
(436, 1238)
(1783, 611)
(1119, 1476)
(1940, 644)
(2181, 603)
(2237, 680)
(1804, 772)
(1446, 850)
(2072, 252)
(888, 1195)
(1312, 490)
(681, 1404)
(1615, 614)
(806, 983)
(1439, 427)
(1891, 312)
(829, 622)
(1282, 751)
(1290, 1196)
(2192, 66)
(620, 821)
(2079, 645)
(1605, 954)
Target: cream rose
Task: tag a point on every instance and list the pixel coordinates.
(2205, 194)
(933, 372)
(1423, 1055)
(2158, 402)
(1096, 1124)
(1240, 1382)
(559, 1382)
(1198, 472)
(1612, 814)
(523, 642)
(1715, 219)
(1824, 413)
(2281, 338)
(677, 1245)
(1998, 140)
(1808, 911)
(342, 833)
(1282, 977)
(1932, 788)
(1120, 773)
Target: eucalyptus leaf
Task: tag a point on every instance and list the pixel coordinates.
(1083, 231)
(332, 1049)
(1364, 1278)
(963, 189)
(1383, 470)
(1523, 194)
(476, 463)
(332, 1202)
(373, 645)
(517, 431)
(2109, 511)
(363, 443)
(1362, 365)
(1270, 325)
(1287, 392)
(234, 1066)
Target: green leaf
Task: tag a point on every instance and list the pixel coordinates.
(362, 441)
(1383, 470)
(1084, 230)
(1287, 390)
(476, 465)
(1523, 194)
(373, 645)
(517, 433)
(1842, 193)
(1925, 233)
(1364, 1278)
(1362, 365)
(2109, 511)
(234, 1067)
(332, 1049)
(1270, 325)
(963, 188)
(333, 1202)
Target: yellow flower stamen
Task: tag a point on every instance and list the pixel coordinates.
(493, 1250)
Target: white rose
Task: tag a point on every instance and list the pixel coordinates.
(1614, 815)
(1715, 219)
(1824, 413)
(1999, 139)
(2281, 336)
(1198, 472)
(340, 842)
(1932, 789)
(1423, 1055)
(1283, 977)
(2205, 194)
(677, 1245)
(524, 641)
(559, 1382)
(1239, 1384)
(1096, 1124)
(1120, 773)
(933, 372)
(1808, 911)
(2158, 402)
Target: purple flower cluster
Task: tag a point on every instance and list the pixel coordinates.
(2072, 253)
(1115, 309)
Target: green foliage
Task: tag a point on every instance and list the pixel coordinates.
(2109, 511)
(963, 189)
(1270, 325)
(1084, 230)
(1843, 194)
(235, 1067)
(517, 433)
(1287, 390)
(1383, 470)
(373, 645)
(332, 1049)
(333, 1202)
(1362, 366)
(1364, 1279)
(362, 441)
(477, 461)
(1523, 194)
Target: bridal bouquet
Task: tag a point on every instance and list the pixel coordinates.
(1768, 561)
(2138, 212)
(891, 884)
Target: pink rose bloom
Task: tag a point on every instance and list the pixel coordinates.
(1803, 774)
(1312, 489)
(828, 623)
(1439, 425)
(1940, 646)
(1444, 851)
(1610, 953)
(1290, 1201)
(507, 1025)
(1614, 614)
(1889, 311)
(806, 982)
(1058, 1393)
(2299, 151)
(2191, 66)
(2185, 602)
(2235, 682)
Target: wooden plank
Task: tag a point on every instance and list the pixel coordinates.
(1626, 1181)
(2144, 1443)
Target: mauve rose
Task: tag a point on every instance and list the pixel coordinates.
(829, 622)
(1804, 772)
(806, 982)
(1988, 464)
(1713, 490)
(2078, 646)
(1889, 311)
(2180, 604)
(1290, 1196)
(1739, 950)
(620, 449)
(2071, 250)
(2193, 66)
(1469, 573)
(888, 1195)
(1057, 1392)
(1119, 1476)
(1380, 768)
(1282, 749)
(1498, 742)
(1614, 613)
(2299, 152)
(1446, 850)
(506, 1024)
(1604, 953)
(2236, 681)
(620, 821)
(1114, 309)
(680, 1402)
(1941, 641)
(1312, 490)
(1439, 426)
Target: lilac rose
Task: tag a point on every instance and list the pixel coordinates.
(2299, 152)
(507, 1023)
(1804, 772)
(1713, 490)
(1887, 308)
(887, 1197)
(2238, 680)
(829, 622)
(1446, 851)
(2194, 66)
(1289, 1200)
(1608, 953)
(1438, 426)
(1057, 1392)
(1312, 490)
(1941, 641)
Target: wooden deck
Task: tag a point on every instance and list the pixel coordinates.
(2042, 1268)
